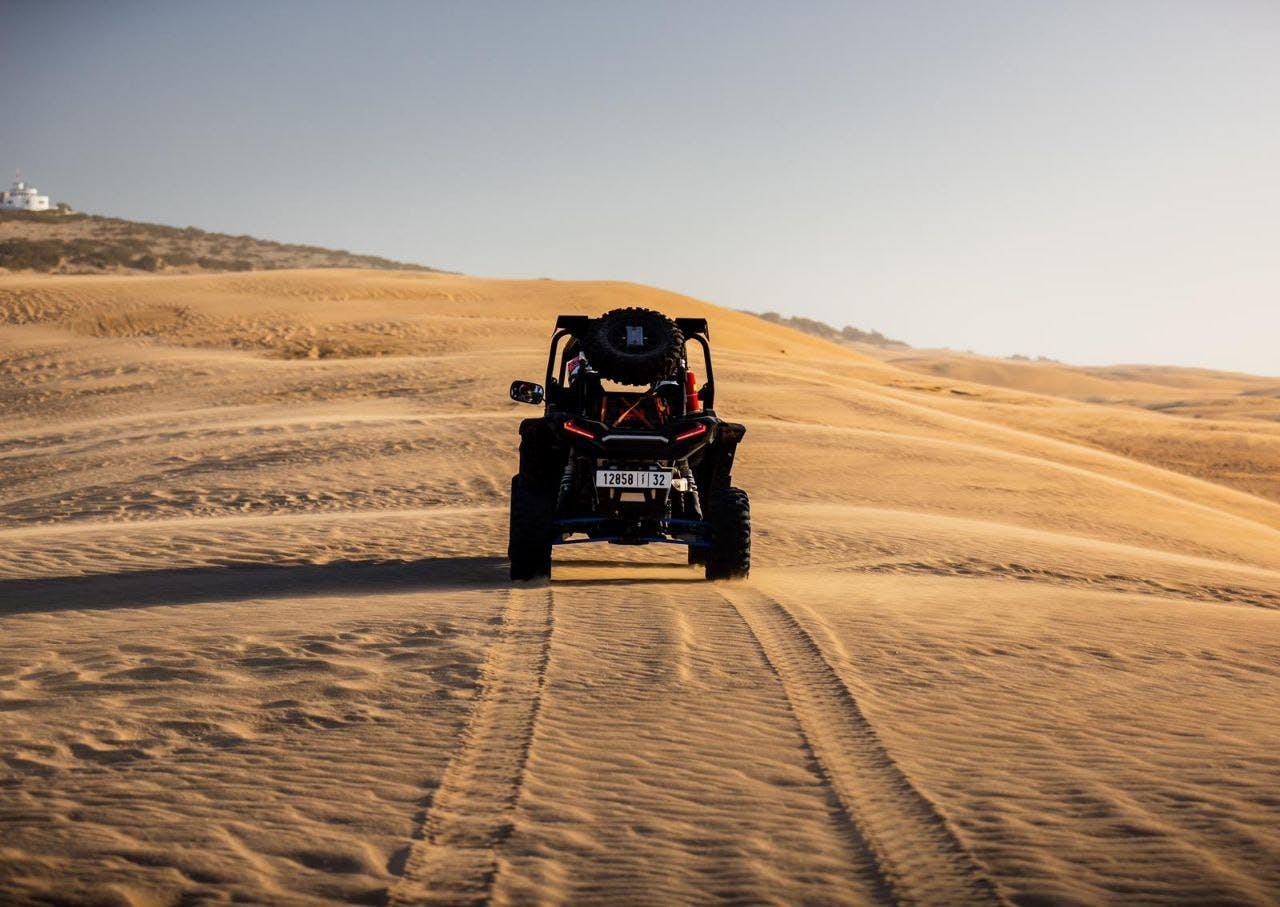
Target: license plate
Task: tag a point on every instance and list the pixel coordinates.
(633, 478)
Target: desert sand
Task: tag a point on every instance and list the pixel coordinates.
(1000, 644)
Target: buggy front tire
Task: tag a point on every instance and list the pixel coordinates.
(729, 556)
(529, 540)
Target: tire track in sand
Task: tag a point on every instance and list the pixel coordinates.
(919, 855)
(453, 858)
(668, 766)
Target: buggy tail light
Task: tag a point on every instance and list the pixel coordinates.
(699, 429)
(578, 430)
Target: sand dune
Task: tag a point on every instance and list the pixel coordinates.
(1002, 644)
(1181, 390)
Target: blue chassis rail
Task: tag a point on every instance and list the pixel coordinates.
(581, 524)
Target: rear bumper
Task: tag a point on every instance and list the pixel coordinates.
(616, 531)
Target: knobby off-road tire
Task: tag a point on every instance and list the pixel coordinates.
(697, 556)
(529, 542)
(657, 357)
(729, 513)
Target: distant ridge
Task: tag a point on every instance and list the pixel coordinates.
(846, 334)
(73, 243)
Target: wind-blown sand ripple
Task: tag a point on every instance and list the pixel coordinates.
(257, 641)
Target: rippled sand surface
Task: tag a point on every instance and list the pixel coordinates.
(257, 642)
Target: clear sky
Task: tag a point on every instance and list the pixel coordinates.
(1093, 181)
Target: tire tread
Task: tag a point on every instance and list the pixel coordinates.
(729, 557)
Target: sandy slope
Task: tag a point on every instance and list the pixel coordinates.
(1185, 391)
(1235, 444)
(258, 644)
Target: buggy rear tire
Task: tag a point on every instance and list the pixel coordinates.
(729, 513)
(618, 352)
(697, 556)
(529, 540)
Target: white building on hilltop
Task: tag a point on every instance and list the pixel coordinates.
(22, 197)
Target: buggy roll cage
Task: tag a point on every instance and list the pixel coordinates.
(576, 325)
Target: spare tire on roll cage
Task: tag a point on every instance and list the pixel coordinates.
(634, 346)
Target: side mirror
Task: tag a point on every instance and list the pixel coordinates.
(526, 392)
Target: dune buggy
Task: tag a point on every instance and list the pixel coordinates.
(646, 462)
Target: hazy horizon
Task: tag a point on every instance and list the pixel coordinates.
(1093, 183)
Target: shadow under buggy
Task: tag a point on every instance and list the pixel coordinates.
(628, 467)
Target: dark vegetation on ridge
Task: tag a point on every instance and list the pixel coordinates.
(846, 334)
(74, 243)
